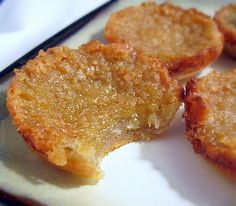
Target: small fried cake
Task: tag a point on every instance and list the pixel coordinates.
(185, 40)
(210, 115)
(75, 106)
(226, 21)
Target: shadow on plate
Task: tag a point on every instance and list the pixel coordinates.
(3, 109)
(99, 36)
(187, 173)
(16, 156)
(224, 63)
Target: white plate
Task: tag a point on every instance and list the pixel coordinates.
(164, 171)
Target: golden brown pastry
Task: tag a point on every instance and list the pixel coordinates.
(210, 115)
(186, 40)
(226, 21)
(75, 106)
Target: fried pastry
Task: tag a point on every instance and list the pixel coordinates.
(75, 106)
(186, 40)
(226, 21)
(210, 118)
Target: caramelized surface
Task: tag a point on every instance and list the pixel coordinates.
(226, 20)
(212, 128)
(168, 32)
(90, 101)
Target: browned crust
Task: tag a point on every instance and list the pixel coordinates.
(188, 66)
(43, 147)
(196, 110)
(180, 67)
(229, 34)
(24, 130)
(194, 105)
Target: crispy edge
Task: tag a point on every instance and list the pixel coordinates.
(21, 129)
(196, 111)
(229, 35)
(86, 171)
(90, 175)
(188, 66)
(179, 68)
